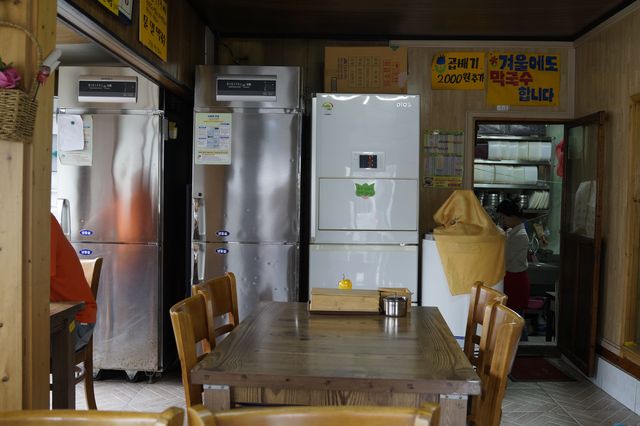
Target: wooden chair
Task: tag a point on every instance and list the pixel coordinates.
(222, 305)
(189, 320)
(498, 346)
(427, 415)
(170, 417)
(481, 296)
(92, 269)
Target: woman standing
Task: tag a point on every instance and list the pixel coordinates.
(516, 280)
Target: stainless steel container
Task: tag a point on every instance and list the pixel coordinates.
(395, 306)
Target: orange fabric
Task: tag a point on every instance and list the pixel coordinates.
(67, 276)
(470, 245)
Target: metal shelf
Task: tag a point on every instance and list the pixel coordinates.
(513, 162)
(509, 186)
(514, 138)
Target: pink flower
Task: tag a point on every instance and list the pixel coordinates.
(9, 78)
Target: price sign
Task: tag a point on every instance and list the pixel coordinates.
(153, 26)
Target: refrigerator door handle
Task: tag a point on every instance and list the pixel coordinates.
(64, 216)
(199, 218)
(199, 254)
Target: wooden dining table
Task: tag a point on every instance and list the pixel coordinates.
(283, 354)
(61, 316)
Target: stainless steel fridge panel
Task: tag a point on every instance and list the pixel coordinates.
(126, 335)
(148, 97)
(257, 197)
(288, 83)
(117, 198)
(264, 272)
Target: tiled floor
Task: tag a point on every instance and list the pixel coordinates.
(525, 403)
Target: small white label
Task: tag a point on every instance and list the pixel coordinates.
(502, 107)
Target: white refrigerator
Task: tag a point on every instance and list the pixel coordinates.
(364, 200)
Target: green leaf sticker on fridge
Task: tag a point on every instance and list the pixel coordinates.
(365, 190)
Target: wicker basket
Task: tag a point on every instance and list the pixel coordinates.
(17, 108)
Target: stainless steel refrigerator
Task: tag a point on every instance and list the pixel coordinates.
(246, 180)
(113, 187)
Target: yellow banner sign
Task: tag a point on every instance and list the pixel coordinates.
(458, 71)
(528, 79)
(112, 5)
(153, 26)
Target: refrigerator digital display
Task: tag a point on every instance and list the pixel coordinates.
(368, 161)
(246, 87)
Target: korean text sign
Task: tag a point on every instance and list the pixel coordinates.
(458, 71)
(526, 79)
(153, 26)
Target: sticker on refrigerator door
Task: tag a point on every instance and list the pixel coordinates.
(212, 139)
(86, 232)
(327, 106)
(222, 250)
(85, 252)
(365, 190)
(223, 233)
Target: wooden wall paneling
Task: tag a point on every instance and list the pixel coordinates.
(185, 30)
(24, 229)
(606, 76)
(11, 225)
(630, 298)
(37, 232)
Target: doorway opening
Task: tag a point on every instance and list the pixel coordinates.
(521, 161)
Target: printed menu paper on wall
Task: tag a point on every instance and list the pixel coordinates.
(458, 71)
(526, 79)
(152, 31)
(212, 138)
(443, 159)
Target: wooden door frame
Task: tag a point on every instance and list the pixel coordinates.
(598, 118)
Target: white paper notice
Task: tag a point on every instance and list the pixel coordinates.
(212, 138)
(70, 134)
(83, 156)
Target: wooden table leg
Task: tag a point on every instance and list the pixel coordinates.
(453, 409)
(217, 397)
(62, 356)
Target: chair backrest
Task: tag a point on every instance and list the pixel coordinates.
(481, 296)
(92, 269)
(427, 415)
(498, 346)
(189, 320)
(222, 304)
(170, 417)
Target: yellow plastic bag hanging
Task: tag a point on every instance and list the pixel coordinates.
(470, 245)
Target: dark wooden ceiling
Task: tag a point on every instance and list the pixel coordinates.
(560, 20)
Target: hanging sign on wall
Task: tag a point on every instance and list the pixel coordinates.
(112, 5)
(153, 26)
(458, 71)
(126, 8)
(527, 79)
